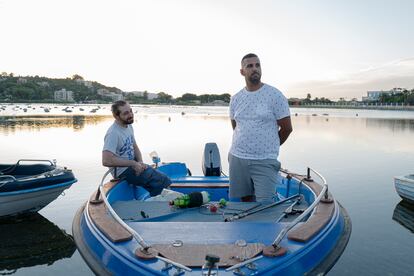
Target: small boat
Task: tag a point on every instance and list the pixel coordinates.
(123, 231)
(29, 185)
(32, 241)
(404, 185)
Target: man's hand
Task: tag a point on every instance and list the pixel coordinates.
(285, 128)
(139, 167)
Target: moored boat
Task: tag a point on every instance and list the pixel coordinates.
(404, 185)
(122, 231)
(29, 185)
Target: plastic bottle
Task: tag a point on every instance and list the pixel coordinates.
(155, 158)
(194, 199)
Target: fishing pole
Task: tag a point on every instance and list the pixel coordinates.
(245, 214)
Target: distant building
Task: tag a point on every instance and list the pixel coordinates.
(63, 95)
(374, 96)
(84, 82)
(22, 80)
(151, 96)
(102, 91)
(43, 83)
(115, 96)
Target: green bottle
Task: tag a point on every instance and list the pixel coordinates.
(194, 199)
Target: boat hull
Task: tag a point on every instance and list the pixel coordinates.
(32, 200)
(404, 185)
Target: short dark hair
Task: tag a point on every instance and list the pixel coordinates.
(250, 55)
(115, 107)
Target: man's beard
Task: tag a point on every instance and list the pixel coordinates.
(255, 79)
(128, 121)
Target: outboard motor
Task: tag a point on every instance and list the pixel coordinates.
(211, 162)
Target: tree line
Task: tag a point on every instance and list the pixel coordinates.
(41, 89)
(404, 96)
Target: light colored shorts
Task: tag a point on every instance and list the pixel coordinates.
(253, 177)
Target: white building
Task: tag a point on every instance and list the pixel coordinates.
(373, 96)
(151, 96)
(115, 96)
(88, 84)
(102, 91)
(63, 95)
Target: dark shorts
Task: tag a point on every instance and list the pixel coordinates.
(150, 179)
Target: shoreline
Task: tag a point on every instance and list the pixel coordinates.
(367, 107)
(322, 106)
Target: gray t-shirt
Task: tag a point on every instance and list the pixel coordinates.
(256, 135)
(120, 141)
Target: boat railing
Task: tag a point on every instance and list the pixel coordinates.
(137, 237)
(322, 194)
(52, 162)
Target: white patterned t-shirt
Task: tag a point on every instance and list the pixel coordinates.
(256, 135)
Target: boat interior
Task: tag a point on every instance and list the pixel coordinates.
(19, 176)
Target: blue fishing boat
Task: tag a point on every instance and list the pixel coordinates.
(29, 185)
(121, 230)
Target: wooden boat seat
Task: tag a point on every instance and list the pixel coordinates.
(319, 218)
(193, 255)
(106, 223)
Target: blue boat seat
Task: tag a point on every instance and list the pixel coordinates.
(174, 169)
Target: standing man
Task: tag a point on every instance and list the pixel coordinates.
(260, 118)
(121, 153)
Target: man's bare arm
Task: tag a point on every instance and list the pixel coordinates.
(285, 128)
(111, 160)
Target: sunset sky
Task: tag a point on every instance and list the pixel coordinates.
(328, 48)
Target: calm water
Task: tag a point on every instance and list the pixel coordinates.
(357, 151)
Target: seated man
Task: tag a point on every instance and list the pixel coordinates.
(121, 152)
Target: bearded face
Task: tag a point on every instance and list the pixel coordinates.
(254, 78)
(126, 116)
(251, 70)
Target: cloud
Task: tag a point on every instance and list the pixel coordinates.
(399, 73)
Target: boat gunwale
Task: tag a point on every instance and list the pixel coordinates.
(33, 190)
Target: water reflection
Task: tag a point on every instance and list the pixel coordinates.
(395, 125)
(404, 215)
(31, 241)
(77, 122)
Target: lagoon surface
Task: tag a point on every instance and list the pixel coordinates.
(357, 151)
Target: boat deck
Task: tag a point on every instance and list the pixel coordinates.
(161, 211)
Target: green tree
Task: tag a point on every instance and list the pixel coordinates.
(189, 97)
(77, 77)
(164, 97)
